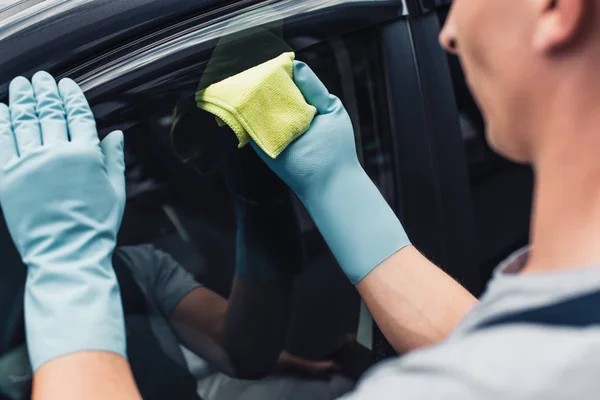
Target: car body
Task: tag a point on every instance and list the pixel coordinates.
(136, 59)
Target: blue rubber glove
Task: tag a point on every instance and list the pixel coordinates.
(63, 195)
(323, 169)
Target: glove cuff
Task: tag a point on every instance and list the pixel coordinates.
(359, 226)
(73, 307)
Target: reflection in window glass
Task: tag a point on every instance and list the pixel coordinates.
(223, 275)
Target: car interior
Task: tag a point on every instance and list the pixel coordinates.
(188, 213)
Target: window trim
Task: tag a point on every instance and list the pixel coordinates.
(245, 18)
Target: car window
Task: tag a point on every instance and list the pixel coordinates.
(188, 210)
(183, 234)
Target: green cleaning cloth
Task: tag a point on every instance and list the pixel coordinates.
(262, 103)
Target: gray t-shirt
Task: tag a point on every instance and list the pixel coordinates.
(512, 361)
(164, 283)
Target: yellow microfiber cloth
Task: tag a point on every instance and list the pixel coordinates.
(262, 103)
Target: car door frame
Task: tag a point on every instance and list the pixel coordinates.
(434, 199)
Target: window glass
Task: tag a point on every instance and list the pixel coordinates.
(206, 224)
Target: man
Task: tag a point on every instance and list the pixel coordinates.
(240, 337)
(532, 65)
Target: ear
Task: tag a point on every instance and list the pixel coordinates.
(558, 23)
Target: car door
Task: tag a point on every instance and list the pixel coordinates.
(341, 42)
(136, 61)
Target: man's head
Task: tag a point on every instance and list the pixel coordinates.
(525, 60)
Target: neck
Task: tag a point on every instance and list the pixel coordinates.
(565, 229)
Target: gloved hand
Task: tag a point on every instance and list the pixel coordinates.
(268, 239)
(63, 196)
(322, 167)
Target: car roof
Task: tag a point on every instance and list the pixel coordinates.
(52, 35)
(12, 7)
(56, 35)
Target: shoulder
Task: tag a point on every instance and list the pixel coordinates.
(144, 261)
(519, 361)
(143, 252)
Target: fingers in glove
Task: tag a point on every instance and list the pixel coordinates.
(313, 90)
(8, 148)
(26, 126)
(50, 109)
(80, 120)
(112, 148)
